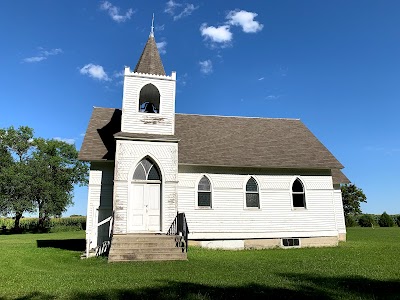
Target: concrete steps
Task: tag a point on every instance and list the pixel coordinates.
(145, 247)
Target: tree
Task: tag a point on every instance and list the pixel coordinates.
(352, 197)
(15, 148)
(56, 169)
(5, 162)
(366, 221)
(385, 220)
(37, 174)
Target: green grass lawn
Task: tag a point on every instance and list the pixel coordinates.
(367, 266)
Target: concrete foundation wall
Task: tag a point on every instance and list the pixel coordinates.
(327, 241)
(342, 237)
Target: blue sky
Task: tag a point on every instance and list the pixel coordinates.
(333, 64)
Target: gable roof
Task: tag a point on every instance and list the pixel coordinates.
(339, 177)
(250, 142)
(150, 60)
(221, 141)
(99, 142)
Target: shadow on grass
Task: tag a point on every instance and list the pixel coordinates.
(32, 229)
(301, 287)
(71, 244)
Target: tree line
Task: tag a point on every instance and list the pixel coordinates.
(37, 175)
(352, 198)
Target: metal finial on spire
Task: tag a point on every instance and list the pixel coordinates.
(152, 26)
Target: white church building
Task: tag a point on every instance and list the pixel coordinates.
(218, 181)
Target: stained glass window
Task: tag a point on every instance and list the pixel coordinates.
(146, 170)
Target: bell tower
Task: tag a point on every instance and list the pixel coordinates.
(148, 105)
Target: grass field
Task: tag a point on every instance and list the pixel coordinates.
(42, 266)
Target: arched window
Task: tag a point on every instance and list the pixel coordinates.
(252, 196)
(204, 192)
(149, 99)
(146, 170)
(298, 194)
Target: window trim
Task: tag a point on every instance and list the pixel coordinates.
(245, 207)
(197, 193)
(298, 193)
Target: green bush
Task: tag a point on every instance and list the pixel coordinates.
(398, 220)
(366, 221)
(385, 220)
(350, 221)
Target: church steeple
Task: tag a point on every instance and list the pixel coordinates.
(150, 60)
(148, 105)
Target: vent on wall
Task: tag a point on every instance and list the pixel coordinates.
(291, 242)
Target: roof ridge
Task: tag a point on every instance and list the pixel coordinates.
(221, 116)
(106, 107)
(241, 117)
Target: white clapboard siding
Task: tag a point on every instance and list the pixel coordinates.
(169, 205)
(100, 198)
(276, 216)
(136, 122)
(128, 155)
(120, 206)
(339, 211)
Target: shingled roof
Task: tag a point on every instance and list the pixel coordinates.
(339, 177)
(99, 142)
(221, 141)
(150, 61)
(250, 142)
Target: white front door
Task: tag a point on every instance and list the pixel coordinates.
(145, 208)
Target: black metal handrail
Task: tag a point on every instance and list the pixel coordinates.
(180, 228)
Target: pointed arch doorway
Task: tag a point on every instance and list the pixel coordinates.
(144, 213)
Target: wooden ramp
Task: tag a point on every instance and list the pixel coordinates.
(146, 247)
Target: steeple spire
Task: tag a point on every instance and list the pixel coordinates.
(152, 27)
(150, 60)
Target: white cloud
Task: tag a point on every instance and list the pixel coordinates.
(42, 55)
(183, 79)
(219, 34)
(170, 7)
(95, 71)
(187, 11)
(179, 10)
(118, 74)
(261, 78)
(273, 97)
(206, 66)
(34, 59)
(66, 140)
(283, 71)
(159, 27)
(50, 52)
(244, 19)
(114, 13)
(161, 47)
